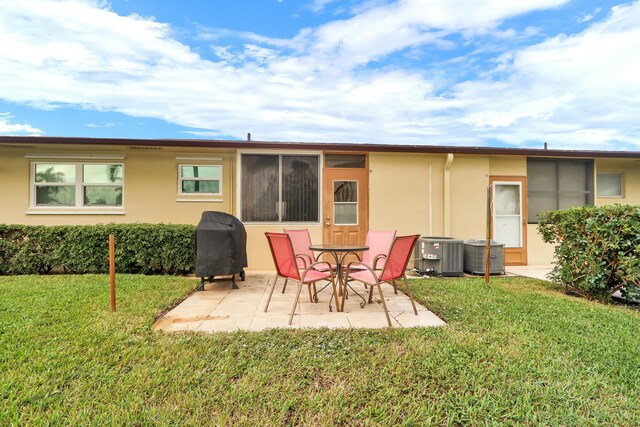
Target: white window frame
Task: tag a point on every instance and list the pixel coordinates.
(79, 184)
(279, 153)
(614, 196)
(181, 179)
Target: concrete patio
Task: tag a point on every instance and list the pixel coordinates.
(219, 308)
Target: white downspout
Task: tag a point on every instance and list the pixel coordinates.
(447, 195)
(430, 202)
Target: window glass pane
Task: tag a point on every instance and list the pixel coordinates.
(55, 196)
(55, 173)
(201, 187)
(98, 174)
(610, 185)
(260, 188)
(345, 160)
(102, 196)
(300, 188)
(345, 191)
(345, 213)
(507, 199)
(200, 172)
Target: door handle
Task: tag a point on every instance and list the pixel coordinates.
(327, 221)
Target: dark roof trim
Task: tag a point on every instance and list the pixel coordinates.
(235, 144)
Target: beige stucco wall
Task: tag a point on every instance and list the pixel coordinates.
(401, 195)
(630, 170)
(469, 182)
(150, 185)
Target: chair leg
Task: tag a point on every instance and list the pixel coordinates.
(406, 285)
(335, 295)
(384, 304)
(284, 288)
(370, 294)
(270, 293)
(395, 287)
(295, 302)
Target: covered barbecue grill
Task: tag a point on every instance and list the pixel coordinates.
(221, 247)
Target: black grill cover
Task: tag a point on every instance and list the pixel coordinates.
(221, 245)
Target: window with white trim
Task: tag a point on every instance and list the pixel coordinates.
(200, 179)
(77, 184)
(280, 188)
(609, 184)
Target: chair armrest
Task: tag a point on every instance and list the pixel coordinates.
(306, 260)
(363, 266)
(378, 258)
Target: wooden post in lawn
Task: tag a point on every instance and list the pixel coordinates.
(112, 270)
(487, 248)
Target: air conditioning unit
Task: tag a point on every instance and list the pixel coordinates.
(442, 256)
(475, 260)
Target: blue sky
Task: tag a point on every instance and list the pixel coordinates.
(433, 72)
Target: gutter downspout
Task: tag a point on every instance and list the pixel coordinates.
(447, 195)
(430, 201)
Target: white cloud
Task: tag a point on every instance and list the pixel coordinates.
(590, 16)
(22, 129)
(585, 84)
(316, 87)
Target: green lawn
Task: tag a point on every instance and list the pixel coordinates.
(518, 353)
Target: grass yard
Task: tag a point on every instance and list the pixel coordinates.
(519, 353)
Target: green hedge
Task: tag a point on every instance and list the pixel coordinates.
(597, 249)
(140, 248)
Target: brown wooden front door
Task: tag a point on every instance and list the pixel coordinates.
(509, 216)
(345, 198)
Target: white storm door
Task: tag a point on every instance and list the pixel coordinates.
(507, 213)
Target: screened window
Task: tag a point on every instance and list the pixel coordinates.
(609, 184)
(199, 179)
(77, 185)
(558, 184)
(279, 188)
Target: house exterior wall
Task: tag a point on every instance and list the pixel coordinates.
(630, 170)
(411, 192)
(150, 185)
(404, 195)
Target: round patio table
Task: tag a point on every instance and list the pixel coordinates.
(339, 253)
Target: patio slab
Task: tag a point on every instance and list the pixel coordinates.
(221, 309)
(534, 271)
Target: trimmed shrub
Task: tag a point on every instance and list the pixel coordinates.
(596, 250)
(140, 248)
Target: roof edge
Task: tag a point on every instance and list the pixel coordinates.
(326, 146)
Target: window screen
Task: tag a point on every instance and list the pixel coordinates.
(558, 184)
(279, 188)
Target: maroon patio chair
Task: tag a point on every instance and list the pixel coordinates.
(284, 259)
(393, 269)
